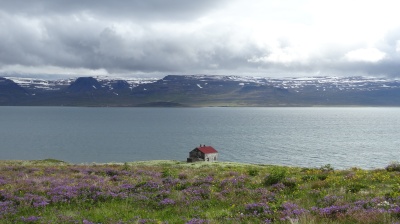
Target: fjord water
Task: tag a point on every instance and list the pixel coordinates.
(307, 137)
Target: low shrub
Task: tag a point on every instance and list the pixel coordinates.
(182, 176)
(167, 173)
(253, 172)
(322, 176)
(394, 166)
(126, 167)
(275, 176)
(320, 184)
(394, 193)
(327, 168)
(289, 183)
(355, 187)
(307, 178)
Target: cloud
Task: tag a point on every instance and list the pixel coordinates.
(123, 47)
(366, 55)
(398, 46)
(293, 37)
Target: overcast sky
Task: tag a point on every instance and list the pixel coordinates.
(273, 38)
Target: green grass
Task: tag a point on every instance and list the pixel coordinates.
(53, 191)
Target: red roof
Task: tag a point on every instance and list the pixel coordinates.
(207, 149)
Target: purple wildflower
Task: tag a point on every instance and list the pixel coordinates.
(264, 194)
(207, 181)
(257, 209)
(329, 200)
(291, 210)
(151, 186)
(197, 221)
(332, 211)
(40, 204)
(233, 182)
(395, 210)
(278, 187)
(30, 219)
(2, 181)
(170, 182)
(167, 201)
(6, 207)
(35, 200)
(63, 193)
(201, 192)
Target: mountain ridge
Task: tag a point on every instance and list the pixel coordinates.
(201, 90)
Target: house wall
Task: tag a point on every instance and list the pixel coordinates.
(211, 157)
(196, 154)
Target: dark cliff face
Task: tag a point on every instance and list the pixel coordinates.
(84, 85)
(11, 92)
(10, 87)
(120, 85)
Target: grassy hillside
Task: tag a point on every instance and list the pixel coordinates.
(51, 191)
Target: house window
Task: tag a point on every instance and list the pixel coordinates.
(215, 158)
(208, 159)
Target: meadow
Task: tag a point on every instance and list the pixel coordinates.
(52, 191)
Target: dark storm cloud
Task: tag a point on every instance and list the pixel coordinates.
(74, 41)
(138, 9)
(158, 52)
(39, 42)
(59, 33)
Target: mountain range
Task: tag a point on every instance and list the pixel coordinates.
(200, 90)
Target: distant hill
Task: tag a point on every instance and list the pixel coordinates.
(10, 92)
(84, 85)
(201, 90)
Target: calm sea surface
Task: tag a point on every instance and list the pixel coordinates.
(311, 137)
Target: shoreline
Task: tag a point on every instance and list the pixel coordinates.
(180, 163)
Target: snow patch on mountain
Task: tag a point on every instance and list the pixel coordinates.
(297, 84)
